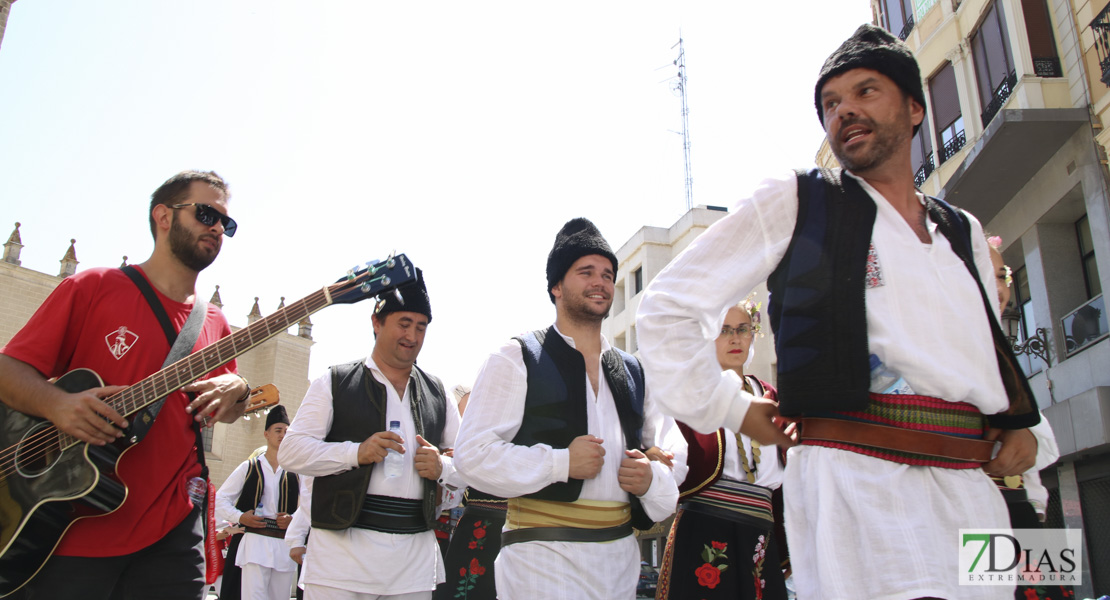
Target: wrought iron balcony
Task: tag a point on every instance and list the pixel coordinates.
(1000, 96)
(1085, 325)
(1047, 67)
(1100, 27)
(953, 146)
(924, 172)
(906, 29)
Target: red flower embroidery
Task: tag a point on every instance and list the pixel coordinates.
(477, 523)
(708, 576)
(472, 545)
(719, 545)
(474, 566)
(462, 572)
(479, 533)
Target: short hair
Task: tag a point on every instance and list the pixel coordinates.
(176, 189)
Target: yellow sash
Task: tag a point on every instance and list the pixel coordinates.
(581, 514)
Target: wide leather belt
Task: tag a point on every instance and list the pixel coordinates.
(392, 515)
(266, 531)
(896, 438)
(565, 534)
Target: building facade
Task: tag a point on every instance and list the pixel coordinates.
(282, 360)
(1014, 134)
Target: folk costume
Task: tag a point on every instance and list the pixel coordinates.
(723, 542)
(371, 535)
(261, 553)
(564, 537)
(473, 549)
(846, 509)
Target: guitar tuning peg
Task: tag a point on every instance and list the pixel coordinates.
(385, 280)
(365, 287)
(397, 295)
(370, 264)
(351, 272)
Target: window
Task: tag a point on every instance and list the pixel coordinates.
(206, 434)
(947, 117)
(994, 66)
(1042, 44)
(637, 280)
(1021, 301)
(922, 155)
(898, 17)
(1087, 256)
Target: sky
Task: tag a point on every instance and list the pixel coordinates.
(463, 134)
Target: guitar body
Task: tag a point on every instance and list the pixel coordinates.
(50, 488)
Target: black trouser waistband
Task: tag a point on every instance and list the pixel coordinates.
(565, 534)
(392, 515)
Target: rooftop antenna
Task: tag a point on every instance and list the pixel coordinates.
(680, 87)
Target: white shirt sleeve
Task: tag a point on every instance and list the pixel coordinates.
(297, 532)
(484, 454)
(229, 492)
(304, 451)
(661, 498)
(683, 307)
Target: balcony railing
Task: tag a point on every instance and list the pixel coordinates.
(906, 29)
(1084, 325)
(1047, 67)
(1000, 96)
(924, 172)
(953, 146)
(1100, 27)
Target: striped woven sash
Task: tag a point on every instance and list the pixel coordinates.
(917, 413)
(734, 500)
(580, 514)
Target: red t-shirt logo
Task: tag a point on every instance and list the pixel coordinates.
(120, 341)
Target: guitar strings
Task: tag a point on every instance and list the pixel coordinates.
(50, 438)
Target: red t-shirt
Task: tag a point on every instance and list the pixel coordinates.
(98, 319)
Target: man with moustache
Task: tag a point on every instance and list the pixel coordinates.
(371, 533)
(858, 263)
(556, 423)
(152, 546)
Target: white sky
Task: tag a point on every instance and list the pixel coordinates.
(463, 134)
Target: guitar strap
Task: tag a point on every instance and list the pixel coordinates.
(181, 344)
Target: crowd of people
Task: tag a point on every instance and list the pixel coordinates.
(569, 444)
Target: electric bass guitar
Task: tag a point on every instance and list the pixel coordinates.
(49, 479)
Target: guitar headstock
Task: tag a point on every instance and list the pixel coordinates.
(375, 277)
(262, 397)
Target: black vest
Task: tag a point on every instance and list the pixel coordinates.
(358, 403)
(251, 496)
(555, 404)
(817, 308)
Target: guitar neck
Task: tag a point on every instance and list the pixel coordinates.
(195, 366)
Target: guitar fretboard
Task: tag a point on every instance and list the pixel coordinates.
(192, 367)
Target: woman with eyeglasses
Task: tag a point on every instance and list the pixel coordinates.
(723, 542)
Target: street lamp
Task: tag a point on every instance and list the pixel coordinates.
(1036, 344)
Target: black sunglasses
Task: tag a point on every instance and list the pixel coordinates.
(208, 217)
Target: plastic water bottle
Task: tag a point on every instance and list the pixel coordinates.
(394, 462)
(885, 381)
(197, 489)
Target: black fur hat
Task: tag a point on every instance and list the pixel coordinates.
(578, 237)
(416, 299)
(277, 414)
(875, 48)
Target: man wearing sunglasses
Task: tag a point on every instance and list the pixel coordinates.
(99, 319)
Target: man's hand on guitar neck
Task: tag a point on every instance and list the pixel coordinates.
(84, 415)
(218, 398)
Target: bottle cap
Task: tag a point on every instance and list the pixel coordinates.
(393, 424)
(875, 362)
